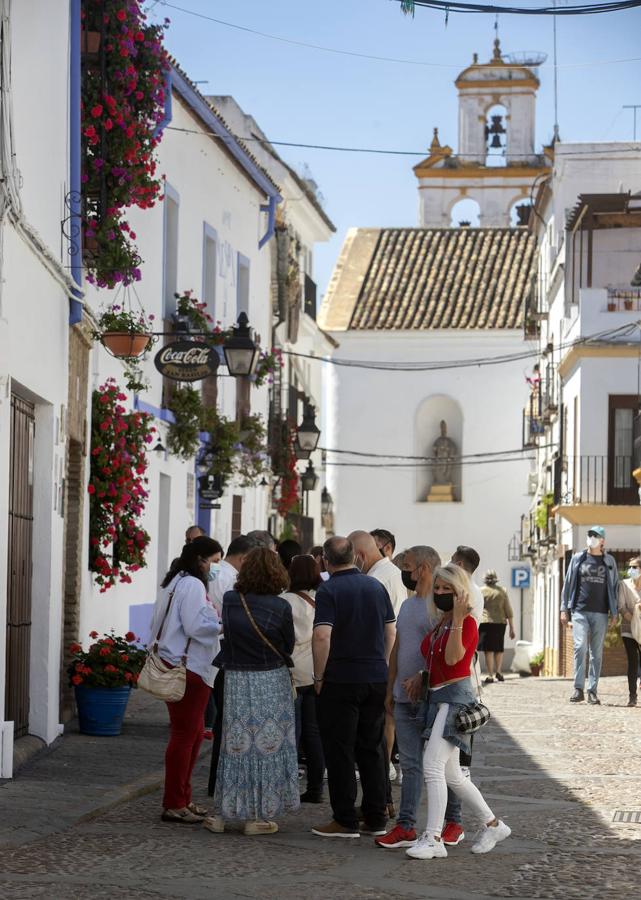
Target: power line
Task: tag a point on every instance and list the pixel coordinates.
(354, 53)
(430, 459)
(630, 147)
(580, 9)
(409, 465)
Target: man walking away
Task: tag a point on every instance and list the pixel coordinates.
(590, 592)
(385, 541)
(468, 559)
(353, 635)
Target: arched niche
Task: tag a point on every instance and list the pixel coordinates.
(429, 415)
(465, 212)
(496, 132)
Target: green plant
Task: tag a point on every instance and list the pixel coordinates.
(111, 661)
(183, 435)
(134, 377)
(252, 460)
(122, 318)
(538, 659)
(542, 513)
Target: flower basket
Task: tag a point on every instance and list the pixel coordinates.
(101, 710)
(125, 344)
(535, 668)
(628, 304)
(612, 307)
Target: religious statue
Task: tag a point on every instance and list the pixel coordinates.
(444, 453)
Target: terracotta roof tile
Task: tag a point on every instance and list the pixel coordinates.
(419, 278)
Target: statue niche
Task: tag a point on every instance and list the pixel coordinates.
(444, 457)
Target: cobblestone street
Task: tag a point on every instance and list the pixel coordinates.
(82, 821)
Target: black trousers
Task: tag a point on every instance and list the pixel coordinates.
(351, 718)
(218, 692)
(633, 652)
(307, 732)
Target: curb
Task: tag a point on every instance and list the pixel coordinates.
(138, 788)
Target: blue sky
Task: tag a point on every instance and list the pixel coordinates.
(309, 96)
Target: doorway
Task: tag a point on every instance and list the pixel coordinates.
(20, 543)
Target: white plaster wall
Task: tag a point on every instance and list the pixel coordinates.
(376, 412)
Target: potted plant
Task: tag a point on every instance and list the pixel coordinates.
(612, 306)
(536, 663)
(102, 678)
(124, 333)
(628, 303)
(183, 436)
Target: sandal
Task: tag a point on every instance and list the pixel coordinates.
(183, 817)
(198, 810)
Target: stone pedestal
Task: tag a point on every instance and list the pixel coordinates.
(441, 493)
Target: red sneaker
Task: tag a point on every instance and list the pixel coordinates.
(452, 834)
(397, 837)
(208, 734)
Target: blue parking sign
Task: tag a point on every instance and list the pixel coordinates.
(521, 577)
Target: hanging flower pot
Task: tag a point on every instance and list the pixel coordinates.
(125, 344)
(89, 42)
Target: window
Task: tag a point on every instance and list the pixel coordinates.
(242, 286)
(622, 488)
(210, 262)
(170, 251)
(496, 136)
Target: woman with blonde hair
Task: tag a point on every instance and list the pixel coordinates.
(449, 653)
(257, 775)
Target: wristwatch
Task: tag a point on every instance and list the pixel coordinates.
(317, 680)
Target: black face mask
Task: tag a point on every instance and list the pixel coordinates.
(409, 582)
(444, 602)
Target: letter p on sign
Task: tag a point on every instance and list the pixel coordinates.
(521, 577)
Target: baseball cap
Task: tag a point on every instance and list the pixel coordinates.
(597, 530)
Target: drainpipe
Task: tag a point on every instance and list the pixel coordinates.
(270, 209)
(75, 303)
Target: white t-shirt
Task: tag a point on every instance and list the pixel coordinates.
(390, 577)
(476, 602)
(191, 617)
(225, 581)
(303, 615)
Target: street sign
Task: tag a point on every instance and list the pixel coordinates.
(521, 576)
(187, 360)
(209, 506)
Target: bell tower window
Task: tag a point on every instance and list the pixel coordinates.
(496, 136)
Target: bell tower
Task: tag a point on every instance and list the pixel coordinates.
(496, 162)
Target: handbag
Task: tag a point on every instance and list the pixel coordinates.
(286, 659)
(470, 718)
(162, 681)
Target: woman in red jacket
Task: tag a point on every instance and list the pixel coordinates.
(449, 653)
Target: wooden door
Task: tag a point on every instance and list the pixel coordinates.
(20, 534)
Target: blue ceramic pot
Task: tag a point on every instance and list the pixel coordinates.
(101, 710)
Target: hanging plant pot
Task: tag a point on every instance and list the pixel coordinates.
(101, 710)
(89, 42)
(125, 344)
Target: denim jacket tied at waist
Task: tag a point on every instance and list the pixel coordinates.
(457, 695)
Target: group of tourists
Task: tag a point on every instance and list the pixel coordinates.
(336, 657)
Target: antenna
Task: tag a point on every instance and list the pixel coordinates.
(556, 137)
(633, 107)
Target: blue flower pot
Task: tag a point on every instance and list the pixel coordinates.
(101, 710)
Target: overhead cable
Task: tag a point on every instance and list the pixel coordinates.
(578, 9)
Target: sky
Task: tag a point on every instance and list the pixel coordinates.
(309, 96)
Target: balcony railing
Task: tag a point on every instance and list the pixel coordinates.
(541, 407)
(580, 480)
(309, 297)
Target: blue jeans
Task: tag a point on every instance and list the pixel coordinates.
(588, 632)
(409, 727)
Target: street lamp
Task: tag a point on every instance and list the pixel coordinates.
(327, 503)
(241, 352)
(308, 433)
(299, 452)
(159, 449)
(205, 461)
(308, 482)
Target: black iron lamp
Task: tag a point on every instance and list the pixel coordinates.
(308, 433)
(241, 352)
(327, 503)
(309, 478)
(205, 461)
(159, 449)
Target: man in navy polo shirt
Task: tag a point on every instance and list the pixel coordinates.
(354, 633)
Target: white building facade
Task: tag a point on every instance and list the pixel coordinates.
(581, 415)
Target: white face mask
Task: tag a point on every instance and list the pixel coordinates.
(593, 542)
(633, 572)
(214, 570)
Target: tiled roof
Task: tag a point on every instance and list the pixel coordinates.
(420, 278)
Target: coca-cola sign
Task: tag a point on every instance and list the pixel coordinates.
(187, 360)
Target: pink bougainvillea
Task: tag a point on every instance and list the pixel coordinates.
(117, 487)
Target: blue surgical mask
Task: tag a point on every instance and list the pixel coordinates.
(214, 571)
(633, 572)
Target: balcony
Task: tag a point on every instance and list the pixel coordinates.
(541, 407)
(623, 300)
(596, 489)
(309, 297)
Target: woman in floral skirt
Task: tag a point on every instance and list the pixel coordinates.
(257, 777)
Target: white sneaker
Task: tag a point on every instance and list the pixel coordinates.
(392, 772)
(215, 824)
(489, 836)
(427, 847)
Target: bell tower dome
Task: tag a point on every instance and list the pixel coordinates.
(496, 162)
